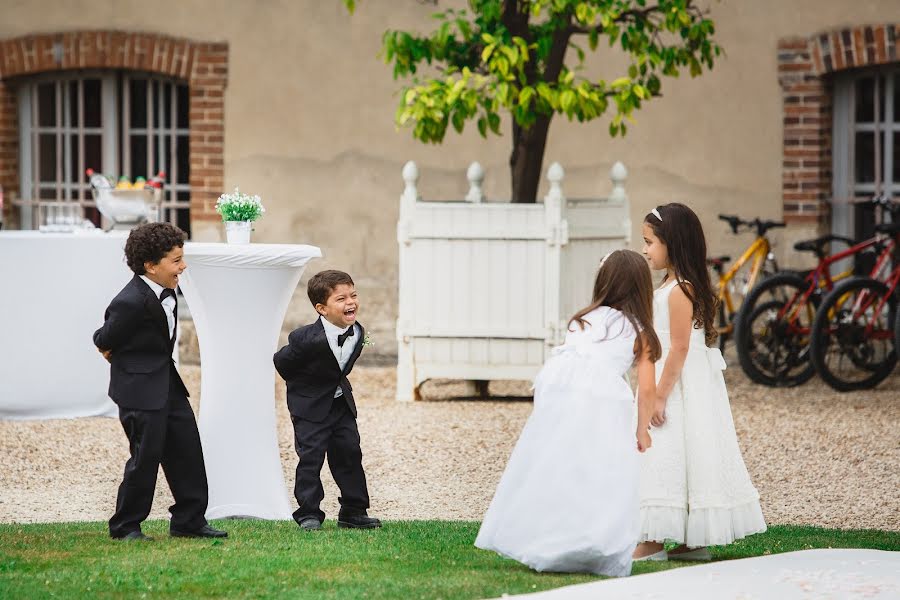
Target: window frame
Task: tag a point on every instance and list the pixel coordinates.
(115, 132)
(845, 216)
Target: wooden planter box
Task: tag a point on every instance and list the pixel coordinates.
(486, 289)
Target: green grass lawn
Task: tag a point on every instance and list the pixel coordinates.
(266, 559)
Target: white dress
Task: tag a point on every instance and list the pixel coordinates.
(567, 500)
(694, 486)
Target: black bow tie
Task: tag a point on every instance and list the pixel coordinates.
(343, 336)
(166, 293)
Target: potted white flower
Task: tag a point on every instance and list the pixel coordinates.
(238, 211)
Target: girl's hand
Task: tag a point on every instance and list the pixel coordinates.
(659, 413)
(643, 440)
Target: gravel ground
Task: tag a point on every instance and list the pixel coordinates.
(816, 456)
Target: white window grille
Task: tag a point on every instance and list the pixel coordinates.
(866, 146)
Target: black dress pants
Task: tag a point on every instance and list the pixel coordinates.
(166, 437)
(337, 438)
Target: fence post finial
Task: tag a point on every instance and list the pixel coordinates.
(618, 174)
(475, 175)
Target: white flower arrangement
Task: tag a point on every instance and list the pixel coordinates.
(239, 207)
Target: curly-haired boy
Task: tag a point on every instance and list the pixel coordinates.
(137, 338)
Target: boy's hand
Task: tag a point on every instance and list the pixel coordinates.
(643, 440)
(106, 354)
(659, 413)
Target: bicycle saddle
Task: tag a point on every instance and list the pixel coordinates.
(717, 261)
(817, 246)
(889, 228)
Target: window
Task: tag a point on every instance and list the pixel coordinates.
(866, 146)
(117, 123)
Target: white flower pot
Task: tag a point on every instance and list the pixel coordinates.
(238, 232)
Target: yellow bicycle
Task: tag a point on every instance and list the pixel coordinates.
(735, 283)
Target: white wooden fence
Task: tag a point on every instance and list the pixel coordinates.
(486, 289)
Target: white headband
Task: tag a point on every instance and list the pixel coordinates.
(603, 260)
(656, 214)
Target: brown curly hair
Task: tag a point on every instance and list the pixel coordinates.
(149, 243)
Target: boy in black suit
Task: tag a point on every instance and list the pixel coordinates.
(137, 338)
(315, 364)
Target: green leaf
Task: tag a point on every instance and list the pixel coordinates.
(482, 127)
(459, 121)
(567, 100)
(525, 95)
(486, 53)
(494, 122)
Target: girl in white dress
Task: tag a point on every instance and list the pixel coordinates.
(694, 487)
(567, 500)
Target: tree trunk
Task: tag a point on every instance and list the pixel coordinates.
(527, 158)
(528, 144)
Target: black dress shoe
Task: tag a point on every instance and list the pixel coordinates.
(135, 536)
(358, 522)
(310, 524)
(204, 532)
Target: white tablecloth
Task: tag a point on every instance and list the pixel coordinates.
(54, 288)
(238, 295)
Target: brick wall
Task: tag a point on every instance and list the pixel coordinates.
(202, 65)
(805, 67)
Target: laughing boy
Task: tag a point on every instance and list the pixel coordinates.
(315, 364)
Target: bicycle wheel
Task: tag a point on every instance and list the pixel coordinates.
(852, 342)
(772, 332)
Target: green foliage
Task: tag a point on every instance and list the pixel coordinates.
(274, 559)
(510, 56)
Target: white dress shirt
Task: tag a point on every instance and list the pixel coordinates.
(341, 353)
(168, 304)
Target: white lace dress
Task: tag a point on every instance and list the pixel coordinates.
(694, 486)
(567, 500)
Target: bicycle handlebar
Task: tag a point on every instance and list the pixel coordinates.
(761, 226)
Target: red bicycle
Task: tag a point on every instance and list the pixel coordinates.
(852, 344)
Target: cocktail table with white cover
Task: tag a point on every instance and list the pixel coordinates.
(238, 295)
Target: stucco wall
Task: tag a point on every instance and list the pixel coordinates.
(309, 123)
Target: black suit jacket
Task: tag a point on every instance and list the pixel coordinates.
(312, 373)
(137, 333)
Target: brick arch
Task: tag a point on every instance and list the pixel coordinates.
(202, 65)
(804, 67)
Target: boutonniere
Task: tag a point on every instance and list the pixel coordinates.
(367, 341)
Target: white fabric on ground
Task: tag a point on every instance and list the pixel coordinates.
(820, 574)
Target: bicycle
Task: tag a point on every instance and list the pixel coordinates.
(852, 343)
(775, 322)
(730, 296)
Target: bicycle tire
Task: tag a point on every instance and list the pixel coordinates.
(753, 364)
(850, 338)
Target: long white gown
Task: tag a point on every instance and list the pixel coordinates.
(567, 500)
(694, 486)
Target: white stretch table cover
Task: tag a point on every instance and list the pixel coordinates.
(54, 288)
(238, 295)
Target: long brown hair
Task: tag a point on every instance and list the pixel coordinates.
(680, 230)
(624, 283)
